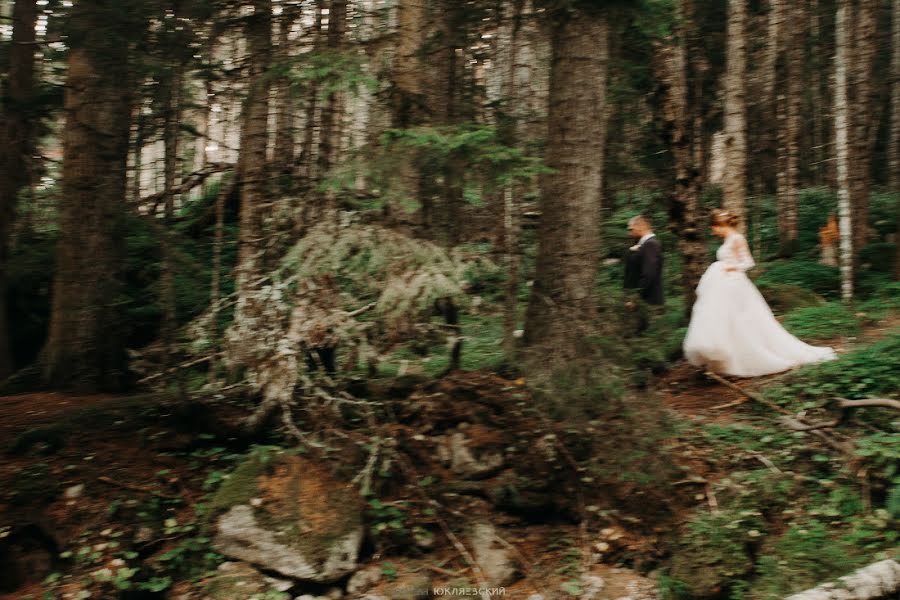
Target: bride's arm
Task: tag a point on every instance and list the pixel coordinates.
(740, 259)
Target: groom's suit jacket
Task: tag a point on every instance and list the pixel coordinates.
(643, 270)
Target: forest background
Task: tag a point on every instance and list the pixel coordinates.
(262, 216)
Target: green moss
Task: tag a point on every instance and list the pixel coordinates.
(242, 484)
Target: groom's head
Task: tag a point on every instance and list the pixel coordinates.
(639, 226)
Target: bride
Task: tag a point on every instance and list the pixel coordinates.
(732, 329)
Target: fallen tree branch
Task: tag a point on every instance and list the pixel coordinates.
(751, 395)
(178, 367)
(878, 580)
(137, 488)
(843, 403)
(796, 425)
(787, 419)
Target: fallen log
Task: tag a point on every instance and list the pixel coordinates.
(878, 580)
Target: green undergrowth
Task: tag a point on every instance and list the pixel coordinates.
(825, 322)
(786, 512)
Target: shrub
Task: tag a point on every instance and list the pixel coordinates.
(821, 279)
(879, 257)
(869, 371)
(821, 322)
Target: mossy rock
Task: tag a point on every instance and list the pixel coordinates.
(785, 297)
(290, 515)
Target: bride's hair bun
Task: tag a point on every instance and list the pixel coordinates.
(720, 216)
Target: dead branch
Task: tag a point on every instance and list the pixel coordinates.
(796, 425)
(183, 365)
(137, 488)
(843, 403)
(751, 395)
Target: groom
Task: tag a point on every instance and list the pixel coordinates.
(643, 269)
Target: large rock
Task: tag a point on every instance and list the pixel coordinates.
(289, 515)
(472, 453)
(492, 556)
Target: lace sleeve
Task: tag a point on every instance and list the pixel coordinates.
(739, 256)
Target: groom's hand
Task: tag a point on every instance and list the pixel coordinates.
(630, 305)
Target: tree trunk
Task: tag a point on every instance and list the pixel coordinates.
(735, 181)
(284, 104)
(408, 95)
(171, 122)
(842, 145)
(332, 111)
(307, 155)
(254, 139)
(16, 141)
(863, 28)
(510, 222)
(769, 158)
(561, 309)
(818, 69)
(894, 132)
(85, 346)
(679, 121)
(789, 138)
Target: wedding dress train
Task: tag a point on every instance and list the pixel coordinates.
(732, 329)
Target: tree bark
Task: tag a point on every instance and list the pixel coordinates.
(509, 226)
(307, 154)
(842, 146)
(85, 345)
(735, 181)
(171, 122)
(408, 101)
(768, 157)
(679, 121)
(561, 309)
(449, 114)
(254, 141)
(284, 104)
(16, 143)
(789, 105)
(863, 28)
(894, 134)
(894, 131)
(332, 111)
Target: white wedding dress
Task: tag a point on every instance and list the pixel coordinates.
(732, 329)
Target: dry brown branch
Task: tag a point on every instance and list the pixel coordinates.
(796, 425)
(178, 367)
(751, 395)
(137, 488)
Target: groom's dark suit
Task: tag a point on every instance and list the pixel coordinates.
(643, 271)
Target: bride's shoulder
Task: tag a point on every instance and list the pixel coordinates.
(736, 237)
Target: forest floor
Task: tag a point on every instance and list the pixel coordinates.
(94, 482)
(685, 390)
